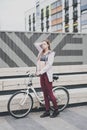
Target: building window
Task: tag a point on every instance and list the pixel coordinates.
(29, 22)
(75, 14)
(42, 26)
(56, 4)
(66, 4)
(67, 29)
(75, 28)
(83, 8)
(47, 11)
(33, 27)
(42, 14)
(57, 27)
(84, 18)
(29, 28)
(30, 19)
(75, 2)
(33, 17)
(47, 24)
(57, 15)
(67, 19)
(38, 10)
(66, 16)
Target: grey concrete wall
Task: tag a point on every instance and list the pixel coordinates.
(17, 48)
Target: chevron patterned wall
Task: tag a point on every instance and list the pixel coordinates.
(17, 48)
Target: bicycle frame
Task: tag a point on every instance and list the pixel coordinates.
(30, 87)
(25, 99)
(35, 93)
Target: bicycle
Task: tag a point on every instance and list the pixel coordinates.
(21, 102)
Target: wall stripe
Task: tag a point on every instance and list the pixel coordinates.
(6, 58)
(17, 48)
(29, 42)
(13, 55)
(3, 63)
(23, 47)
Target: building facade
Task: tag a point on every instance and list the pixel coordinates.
(71, 16)
(57, 16)
(17, 49)
(48, 17)
(83, 16)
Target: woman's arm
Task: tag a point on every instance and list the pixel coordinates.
(37, 45)
(49, 63)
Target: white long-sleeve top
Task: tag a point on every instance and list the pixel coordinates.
(48, 64)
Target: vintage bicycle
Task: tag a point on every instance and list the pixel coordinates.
(21, 102)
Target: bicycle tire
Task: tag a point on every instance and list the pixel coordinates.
(62, 96)
(20, 104)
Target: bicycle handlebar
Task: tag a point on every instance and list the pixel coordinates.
(55, 77)
(30, 75)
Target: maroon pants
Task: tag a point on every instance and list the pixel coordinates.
(47, 91)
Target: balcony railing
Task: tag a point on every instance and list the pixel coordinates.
(47, 13)
(66, 5)
(75, 2)
(66, 19)
(42, 16)
(47, 24)
(33, 19)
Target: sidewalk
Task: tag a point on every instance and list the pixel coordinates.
(74, 118)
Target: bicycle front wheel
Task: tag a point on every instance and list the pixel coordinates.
(62, 97)
(20, 104)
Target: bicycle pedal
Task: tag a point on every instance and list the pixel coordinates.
(41, 104)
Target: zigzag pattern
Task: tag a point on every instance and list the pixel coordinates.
(17, 48)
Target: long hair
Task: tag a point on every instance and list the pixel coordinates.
(48, 42)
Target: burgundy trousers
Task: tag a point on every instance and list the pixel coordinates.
(47, 91)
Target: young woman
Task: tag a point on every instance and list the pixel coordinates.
(44, 70)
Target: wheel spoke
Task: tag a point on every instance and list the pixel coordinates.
(62, 97)
(20, 104)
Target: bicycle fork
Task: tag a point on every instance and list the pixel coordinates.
(24, 98)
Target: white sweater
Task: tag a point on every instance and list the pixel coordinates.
(48, 67)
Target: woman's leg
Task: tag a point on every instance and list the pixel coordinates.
(44, 89)
(50, 92)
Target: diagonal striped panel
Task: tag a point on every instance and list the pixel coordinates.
(67, 39)
(13, 55)
(3, 63)
(29, 41)
(6, 59)
(23, 47)
(16, 49)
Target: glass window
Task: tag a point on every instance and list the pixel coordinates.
(84, 22)
(56, 4)
(67, 29)
(75, 28)
(59, 3)
(84, 19)
(83, 2)
(57, 27)
(47, 11)
(57, 15)
(74, 2)
(84, 7)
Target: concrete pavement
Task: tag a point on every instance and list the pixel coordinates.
(74, 118)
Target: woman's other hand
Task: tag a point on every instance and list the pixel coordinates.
(37, 73)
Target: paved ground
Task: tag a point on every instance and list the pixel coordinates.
(74, 118)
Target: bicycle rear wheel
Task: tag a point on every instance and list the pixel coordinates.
(62, 96)
(20, 104)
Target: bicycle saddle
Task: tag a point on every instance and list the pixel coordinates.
(55, 77)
